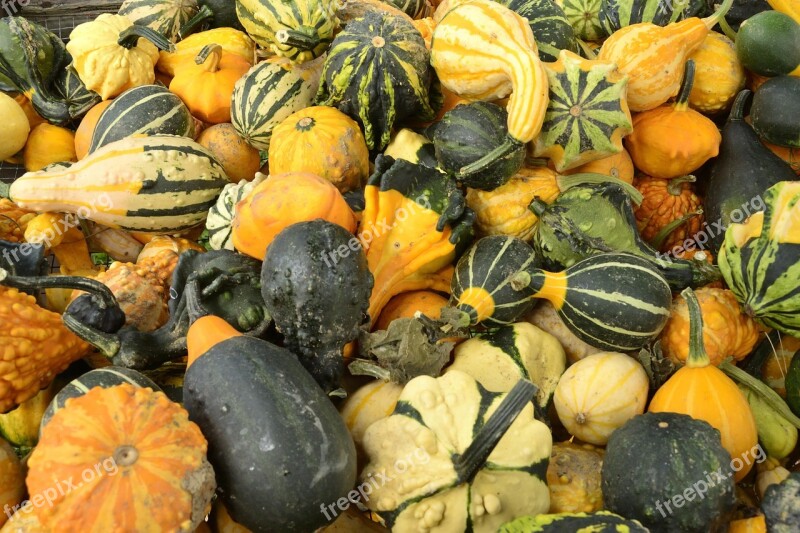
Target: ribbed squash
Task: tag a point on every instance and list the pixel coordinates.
(670, 211)
(48, 144)
(573, 477)
(12, 480)
(406, 304)
(687, 392)
(616, 14)
(238, 158)
(584, 17)
(129, 437)
(551, 29)
(617, 166)
(85, 131)
(16, 126)
(164, 16)
(13, 220)
(719, 74)
(324, 141)
(231, 40)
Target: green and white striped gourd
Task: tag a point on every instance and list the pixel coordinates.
(551, 29)
(416, 9)
(616, 14)
(76, 96)
(164, 16)
(220, 216)
(584, 17)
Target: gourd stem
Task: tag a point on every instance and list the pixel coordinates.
(588, 52)
(510, 145)
(363, 367)
(712, 20)
(303, 38)
(727, 30)
(538, 206)
(474, 458)
(95, 288)
(202, 15)
(674, 185)
(209, 56)
(739, 103)
(697, 351)
(588, 178)
(682, 103)
(667, 230)
(762, 389)
(130, 37)
(194, 307)
(108, 344)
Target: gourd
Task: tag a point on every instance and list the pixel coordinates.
(206, 85)
(109, 56)
(469, 447)
(687, 392)
(773, 113)
(481, 50)
(792, 383)
(778, 504)
(300, 31)
(406, 304)
(377, 72)
(553, 523)
(147, 110)
(232, 41)
(20, 427)
(48, 144)
(12, 480)
(147, 437)
(759, 258)
(573, 477)
(770, 472)
(727, 332)
(652, 56)
(119, 245)
(164, 16)
(15, 125)
(641, 475)
(616, 14)
(592, 409)
(220, 215)
(72, 90)
(767, 44)
(371, 402)
(298, 289)
(59, 234)
(13, 220)
(85, 130)
(545, 316)
(757, 524)
(584, 17)
(719, 75)
(132, 184)
(238, 158)
(323, 141)
(777, 435)
(617, 166)
(280, 201)
(587, 115)
(788, 154)
(670, 211)
(216, 14)
(673, 140)
(551, 29)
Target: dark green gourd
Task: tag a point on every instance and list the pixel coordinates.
(775, 113)
(551, 29)
(616, 14)
(212, 14)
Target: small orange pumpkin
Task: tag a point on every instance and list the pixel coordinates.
(12, 481)
(48, 144)
(239, 160)
(670, 211)
(406, 304)
(619, 166)
(83, 135)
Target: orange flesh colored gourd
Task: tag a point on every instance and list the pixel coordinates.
(205, 333)
(553, 287)
(705, 392)
(653, 56)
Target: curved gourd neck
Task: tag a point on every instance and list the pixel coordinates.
(551, 286)
(682, 102)
(209, 57)
(205, 330)
(739, 103)
(698, 358)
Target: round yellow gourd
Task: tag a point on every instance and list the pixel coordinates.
(48, 144)
(15, 127)
(600, 393)
(719, 75)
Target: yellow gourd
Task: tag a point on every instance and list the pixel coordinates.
(12, 480)
(719, 74)
(15, 127)
(231, 40)
(48, 144)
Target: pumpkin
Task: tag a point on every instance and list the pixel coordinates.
(231, 40)
(652, 57)
(371, 402)
(164, 16)
(12, 481)
(323, 141)
(16, 127)
(592, 409)
(407, 304)
(673, 140)
(239, 159)
(206, 85)
(688, 389)
(48, 144)
(109, 54)
(504, 210)
(545, 316)
(220, 215)
(618, 166)
(719, 75)
(85, 131)
(13, 220)
(282, 200)
(127, 435)
(726, 330)
(573, 477)
(670, 211)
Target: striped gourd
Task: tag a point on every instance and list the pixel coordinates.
(416, 9)
(267, 94)
(163, 16)
(760, 260)
(377, 72)
(146, 109)
(220, 216)
(584, 17)
(157, 184)
(71, 89)
(551, 29)
(297, 29)
(616, 14)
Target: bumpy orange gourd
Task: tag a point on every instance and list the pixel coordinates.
(324, 141)
(280, 201)
(36, 347)
(83, 135)
(653, 56)
(673, 140)
(13, 220)
(573, 477)
(239, 160)
(12, 481)
(719, 76)
(206, 84)
(147, 461)
(48, 144)
(63, 237)
(617, 166)
(406, 304)
(703, 391)
(670, 211)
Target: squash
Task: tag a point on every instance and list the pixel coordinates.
(12, 481)
(377, 72)
(231, 40)
(220, 215)
(544, 316)
(407, 304)
(770, 472)
(652, 56)
(239, 159)
(164, 16)
(280, 201)
(504, 210)
(48, 144)
(206, 86)
(642, 474)
(573, 477)
(592, 409)
(132, 184)
(13, 220)
(670, 211)
(61, 235)
(551, 29)
(687, 392)
(16, 127)
(619, 14)
(416, 9)
(767, 44)
(463, 446)
(773, 113)
(125, 430)
(85, 131)
(553, 523)
(587, 114)
(726, 330)
(109, 55)
(118, 244)
(323, 141)
(777, 435)
(778, 504)
(757, 524)
(371, 402)
(299, 33)
(584, 17)
(673, 140)
(20, 427)
(788, 154)
(34, 119)
(719, 75)
(147, 110)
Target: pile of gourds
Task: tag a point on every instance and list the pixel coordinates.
(407, 265)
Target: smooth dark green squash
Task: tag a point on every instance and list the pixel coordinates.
(792, 384)
(279, 448)
(599, 522)
(768, 43)
(775, 113)
(551, 29)
(616, 14)
(742, 172)
(656, 457)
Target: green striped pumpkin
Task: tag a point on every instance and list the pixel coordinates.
(584, 17)
(616, 14)
(551, 29)
(269, 93)
(164, 16)
(74, 93)
(416, 9)
(146, 109)
(105, 377)
(760, 260)
(160, 184)
(378, 72)
(297, 29)
(220, 216)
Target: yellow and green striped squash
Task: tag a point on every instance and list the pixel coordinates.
(164, 16)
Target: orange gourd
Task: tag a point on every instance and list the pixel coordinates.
(140, 462)
(757, 524)
(12, 481)
(239, 160)
(48, 144)
(13, 220)
(673, 140)
(703, 391)
(280, 201)
(83, 135)
(787, 153)
(617, 166)
(406, 304)
(670, 211)
(719, 76)
(206, 84)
